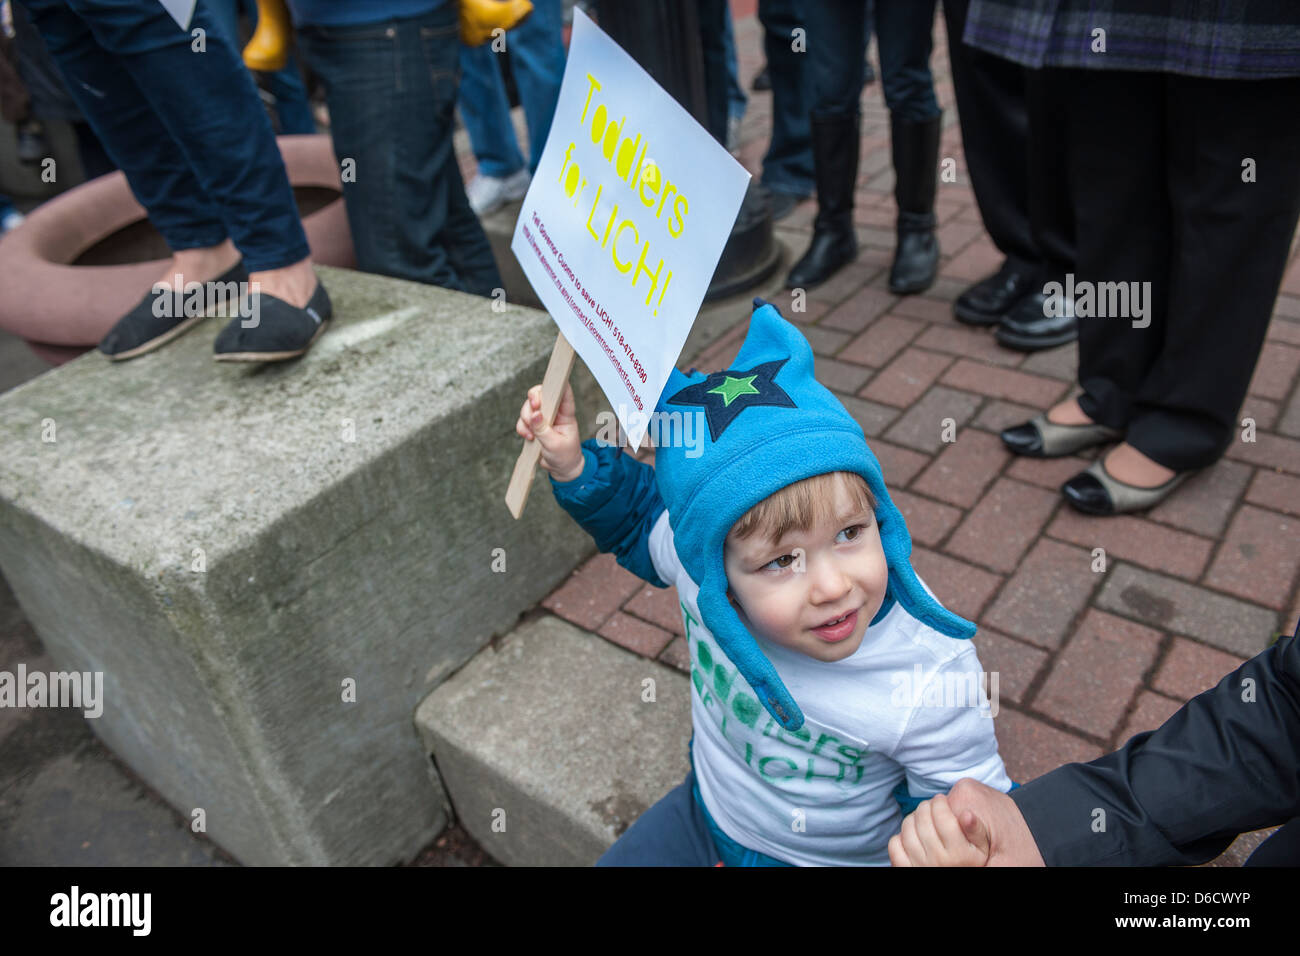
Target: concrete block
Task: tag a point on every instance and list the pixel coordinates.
(547, 747)
(230, 544)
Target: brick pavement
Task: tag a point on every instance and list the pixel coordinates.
(1088, 655)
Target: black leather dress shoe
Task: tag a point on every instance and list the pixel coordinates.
(988, 300)
(1027, 327)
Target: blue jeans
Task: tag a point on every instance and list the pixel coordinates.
(837, 41)
(678, 831)
(285, 84)
(537, 57)
(186, 127)
(391, 88)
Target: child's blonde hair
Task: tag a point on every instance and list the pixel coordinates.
(802, 505)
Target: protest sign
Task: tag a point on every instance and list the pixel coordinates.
(621, 230)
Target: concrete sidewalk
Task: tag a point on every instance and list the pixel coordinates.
(1086, 658)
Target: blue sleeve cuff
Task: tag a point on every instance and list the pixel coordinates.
(616, 501)
(589, 465)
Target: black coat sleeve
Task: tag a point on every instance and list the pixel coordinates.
(1228, 762)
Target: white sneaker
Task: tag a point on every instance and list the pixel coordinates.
(487, 193)
(10, 222)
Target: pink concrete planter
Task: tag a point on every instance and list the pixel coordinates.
(62, 309)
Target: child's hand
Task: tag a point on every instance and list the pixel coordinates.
(932, 835)
(561, 447)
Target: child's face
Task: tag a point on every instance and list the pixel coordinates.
(843, 572)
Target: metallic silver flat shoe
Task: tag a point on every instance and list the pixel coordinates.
(1096, 491)
(1040, 438)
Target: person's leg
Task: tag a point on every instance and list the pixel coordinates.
(537, 60)
(836, 32)
(904, 37)
(1028, 326)
(788, 163)
(391, 88)
(131, 132)
(991, 110)
(1114, 125)
(736, 98)
(485, 110)
(214, 115)
(673, 832)
(285, 84)
(1230, 240)
(291, 103)
(91, 152)
(713, 17)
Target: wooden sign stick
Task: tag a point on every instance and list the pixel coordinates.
(557, 373)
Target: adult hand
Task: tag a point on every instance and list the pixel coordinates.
(978, 806)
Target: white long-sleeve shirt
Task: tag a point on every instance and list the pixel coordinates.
(907, 705)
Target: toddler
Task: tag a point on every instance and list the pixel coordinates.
(825, 672)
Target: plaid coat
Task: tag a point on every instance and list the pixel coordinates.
(1220, 39)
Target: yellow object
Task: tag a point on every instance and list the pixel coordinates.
(268, 48)
(478, 18)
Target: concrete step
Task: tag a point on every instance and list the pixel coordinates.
(552, 741)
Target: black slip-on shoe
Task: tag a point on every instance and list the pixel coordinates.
(279, 331)
(162, 316)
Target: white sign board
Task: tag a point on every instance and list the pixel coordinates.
(624, 222)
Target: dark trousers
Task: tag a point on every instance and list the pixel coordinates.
(391, 88)
(713, 24)
(185, 125)
(837, 41)
(788, 163)
(1156, 171)
(1280, 849)
(1014, 154)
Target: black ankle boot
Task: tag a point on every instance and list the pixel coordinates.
(916, 162)
(835, 141)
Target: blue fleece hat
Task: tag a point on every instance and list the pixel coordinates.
(770, 424)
